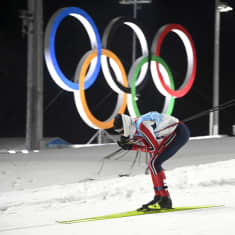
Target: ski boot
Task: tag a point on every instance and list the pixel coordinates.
(157, 203)
(152, 205)
(165, 203)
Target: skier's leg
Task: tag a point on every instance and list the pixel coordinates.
(161, 198)
(173, 144)
(157, 177)
(155, 166)
(170, 146)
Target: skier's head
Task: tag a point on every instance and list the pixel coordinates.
(125, 125)
(118, 124)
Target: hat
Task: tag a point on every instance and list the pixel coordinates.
(118, 124)
(124, 124)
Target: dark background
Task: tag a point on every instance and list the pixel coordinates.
(61, 118)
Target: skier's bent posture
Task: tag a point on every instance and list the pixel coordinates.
(162, 136)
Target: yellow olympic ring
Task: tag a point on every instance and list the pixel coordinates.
(108, 123)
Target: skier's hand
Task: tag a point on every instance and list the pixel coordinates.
(124, 139)
(125, 146)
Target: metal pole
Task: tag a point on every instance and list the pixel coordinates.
(34, 114)
(134, 36)
(214, 130)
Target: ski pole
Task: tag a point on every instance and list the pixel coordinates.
(108, 157)
(225, 105)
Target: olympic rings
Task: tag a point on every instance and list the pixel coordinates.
(191, 56)
(169, 101)
(80, 98)
(89, 65)
(50, 56)
(109, 33)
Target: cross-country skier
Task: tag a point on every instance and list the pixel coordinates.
(159, 134)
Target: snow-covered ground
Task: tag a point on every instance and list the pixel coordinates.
(34, 210)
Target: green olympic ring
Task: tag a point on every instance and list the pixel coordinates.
(135, 75)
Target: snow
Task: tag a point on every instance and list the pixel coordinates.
(35, 210)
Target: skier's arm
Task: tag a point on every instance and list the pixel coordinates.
(136, 144)
(144, 147)
(150, 143)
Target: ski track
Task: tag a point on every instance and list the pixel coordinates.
(34, 211)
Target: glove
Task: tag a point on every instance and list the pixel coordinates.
(124, 139)
(125, 146)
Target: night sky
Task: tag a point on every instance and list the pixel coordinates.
(61, 118)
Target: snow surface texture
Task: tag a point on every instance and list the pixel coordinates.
(34, 210)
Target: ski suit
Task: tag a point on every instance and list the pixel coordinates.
(162, 136)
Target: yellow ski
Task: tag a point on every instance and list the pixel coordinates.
(136, 213)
